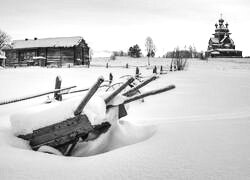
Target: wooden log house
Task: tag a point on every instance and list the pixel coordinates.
(51, 51)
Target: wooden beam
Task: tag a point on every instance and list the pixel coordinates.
(46, 55)
(60, 50)
(74, 49)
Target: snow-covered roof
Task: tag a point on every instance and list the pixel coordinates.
(47, 42)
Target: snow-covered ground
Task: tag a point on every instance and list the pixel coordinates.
(200, 130)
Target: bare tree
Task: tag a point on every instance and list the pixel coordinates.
(4, 39)
(150, 48)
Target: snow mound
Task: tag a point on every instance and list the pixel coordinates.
(121, 134)
(27, 120)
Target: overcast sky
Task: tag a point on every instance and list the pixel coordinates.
(118, 24)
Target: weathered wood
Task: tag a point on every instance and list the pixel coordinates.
(53, 54)
(61, 133)
(150, 93)
(137, 72)
(64, 135)
(60, 51)
(80, 90)
(58, 96)
(34, 96)
(110, 78)
(67, 55)
(155, 70)
(27, 137)
(46, 55)
(133, 90)
(91, 92)
(122, 110)
(116, 92)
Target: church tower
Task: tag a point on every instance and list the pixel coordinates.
(221, 45)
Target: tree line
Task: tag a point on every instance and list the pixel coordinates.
(135, 51)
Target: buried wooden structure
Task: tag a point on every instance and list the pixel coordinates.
(62, 137)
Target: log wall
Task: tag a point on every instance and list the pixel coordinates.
(67, 55)
(54, 55)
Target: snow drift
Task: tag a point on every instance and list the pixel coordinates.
(202, 126)
(120, 134)
(27, 120)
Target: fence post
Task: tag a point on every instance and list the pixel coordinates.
(110, 78)
(137, 72)
(155, 70)
(58, 96)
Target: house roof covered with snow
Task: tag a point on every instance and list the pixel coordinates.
(47, 42)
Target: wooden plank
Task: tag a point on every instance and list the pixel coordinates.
(53, 55)
(67, 55)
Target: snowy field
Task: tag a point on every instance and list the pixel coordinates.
(200, 130)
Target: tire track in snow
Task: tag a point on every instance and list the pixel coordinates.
(235, 116)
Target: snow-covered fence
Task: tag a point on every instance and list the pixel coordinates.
(61, 137)
(123, 86)
(135, 89)
(64, 135)
(110, 65)
(150, 93)
(155, 70)
(137, 72)
(58, 96)
(163, 71)
(91, 92)
(35, 95)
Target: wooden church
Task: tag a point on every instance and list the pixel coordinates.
(221, 45)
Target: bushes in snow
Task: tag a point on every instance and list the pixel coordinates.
(178, 62)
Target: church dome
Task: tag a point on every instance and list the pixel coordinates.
(221, 21)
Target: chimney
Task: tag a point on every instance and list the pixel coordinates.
(26, 39)
(35, 38)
